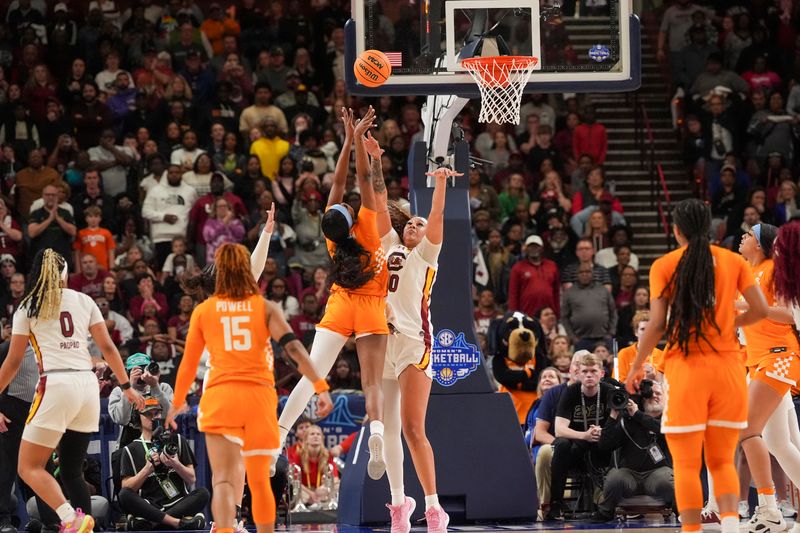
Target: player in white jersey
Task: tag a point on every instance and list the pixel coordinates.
(66, 410)
(412, 261)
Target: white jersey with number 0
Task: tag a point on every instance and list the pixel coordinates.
(61, 344)
(412, 273)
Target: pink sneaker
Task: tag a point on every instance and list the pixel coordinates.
(401, 515)
(238, 527)
(437, 520)
(83, 523)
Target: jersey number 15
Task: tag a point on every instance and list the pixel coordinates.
(235, 333)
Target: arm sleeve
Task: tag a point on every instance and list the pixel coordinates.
(149, 207)
(195, 343)
(259, 257)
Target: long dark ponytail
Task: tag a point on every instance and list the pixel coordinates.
(692, 286)
(352, 264)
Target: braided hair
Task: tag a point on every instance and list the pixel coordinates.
(352, 263)
(399, 216)
(201, 285)
(692, 285)
(43, 294)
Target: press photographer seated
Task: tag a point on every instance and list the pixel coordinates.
(642, 464)
(156, 471)
(580, 417)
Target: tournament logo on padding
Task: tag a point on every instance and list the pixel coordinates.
(599, 53)
(453, 358)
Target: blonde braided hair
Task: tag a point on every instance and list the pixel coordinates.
(43, 295)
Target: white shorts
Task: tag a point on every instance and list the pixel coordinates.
(64, 400)
(403, 351)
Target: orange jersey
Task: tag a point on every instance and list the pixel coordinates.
(732, 275)
(97, 242)
(237, 338)
(766, 334)
(365, 232)
(627, 355)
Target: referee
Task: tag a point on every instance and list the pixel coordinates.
(15, 403)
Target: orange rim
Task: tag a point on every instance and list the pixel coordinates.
(496, 68)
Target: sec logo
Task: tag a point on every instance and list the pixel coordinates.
(446, 338)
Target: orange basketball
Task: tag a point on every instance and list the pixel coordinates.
(372, 68)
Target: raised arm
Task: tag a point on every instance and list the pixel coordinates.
(343, 164)
(259, 257)
(362, 160)
(378, 185)
(435, 232)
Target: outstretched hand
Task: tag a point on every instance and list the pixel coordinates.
(270, 225)
(444, 172)
(348, 121)
(373, 148)
(366, 123)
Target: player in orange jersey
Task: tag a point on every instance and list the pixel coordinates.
(626, 356)
(235, 326)
(357, 304)
(773, 359)
(692, 292)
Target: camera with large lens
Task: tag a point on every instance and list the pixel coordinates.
(164, 440)
(153, 369)
(619, 396)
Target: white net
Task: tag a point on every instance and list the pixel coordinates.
(501, 80)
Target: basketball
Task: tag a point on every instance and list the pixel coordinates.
(372, 68)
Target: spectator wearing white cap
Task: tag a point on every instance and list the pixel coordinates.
(535, 282)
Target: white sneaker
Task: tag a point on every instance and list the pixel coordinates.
(744, 510)
(709, 518)
(377, 464)
(765, 520)
(786, 509)
(273, 464)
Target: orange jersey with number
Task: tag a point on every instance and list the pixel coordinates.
(732, 275)
(766, 333)
(237, 338)
(365, 232)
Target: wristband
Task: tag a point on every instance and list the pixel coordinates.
(321, 386)
(125, 386)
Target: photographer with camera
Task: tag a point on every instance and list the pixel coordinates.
(144, 377)
(642, 464)
(580, 417)
(156, 471)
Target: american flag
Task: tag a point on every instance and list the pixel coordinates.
(395, 58)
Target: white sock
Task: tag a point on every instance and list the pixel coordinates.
(768, 501)
(398, 496)
(376, 427)
(284, 433)
(432, 501)
(730, 524)
(66, 512)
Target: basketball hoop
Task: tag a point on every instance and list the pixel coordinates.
(501, 80)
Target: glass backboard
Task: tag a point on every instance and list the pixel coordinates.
(582, 45)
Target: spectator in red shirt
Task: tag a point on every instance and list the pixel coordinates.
(535, 282)
(90, 279)
(305, 323)
(178, 325)
(485, 311)
(314, 459)
(762, 78)
(590, 138)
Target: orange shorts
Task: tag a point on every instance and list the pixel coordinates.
(780, 370)
(348, 314)
(704, 390)
(244, 413)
